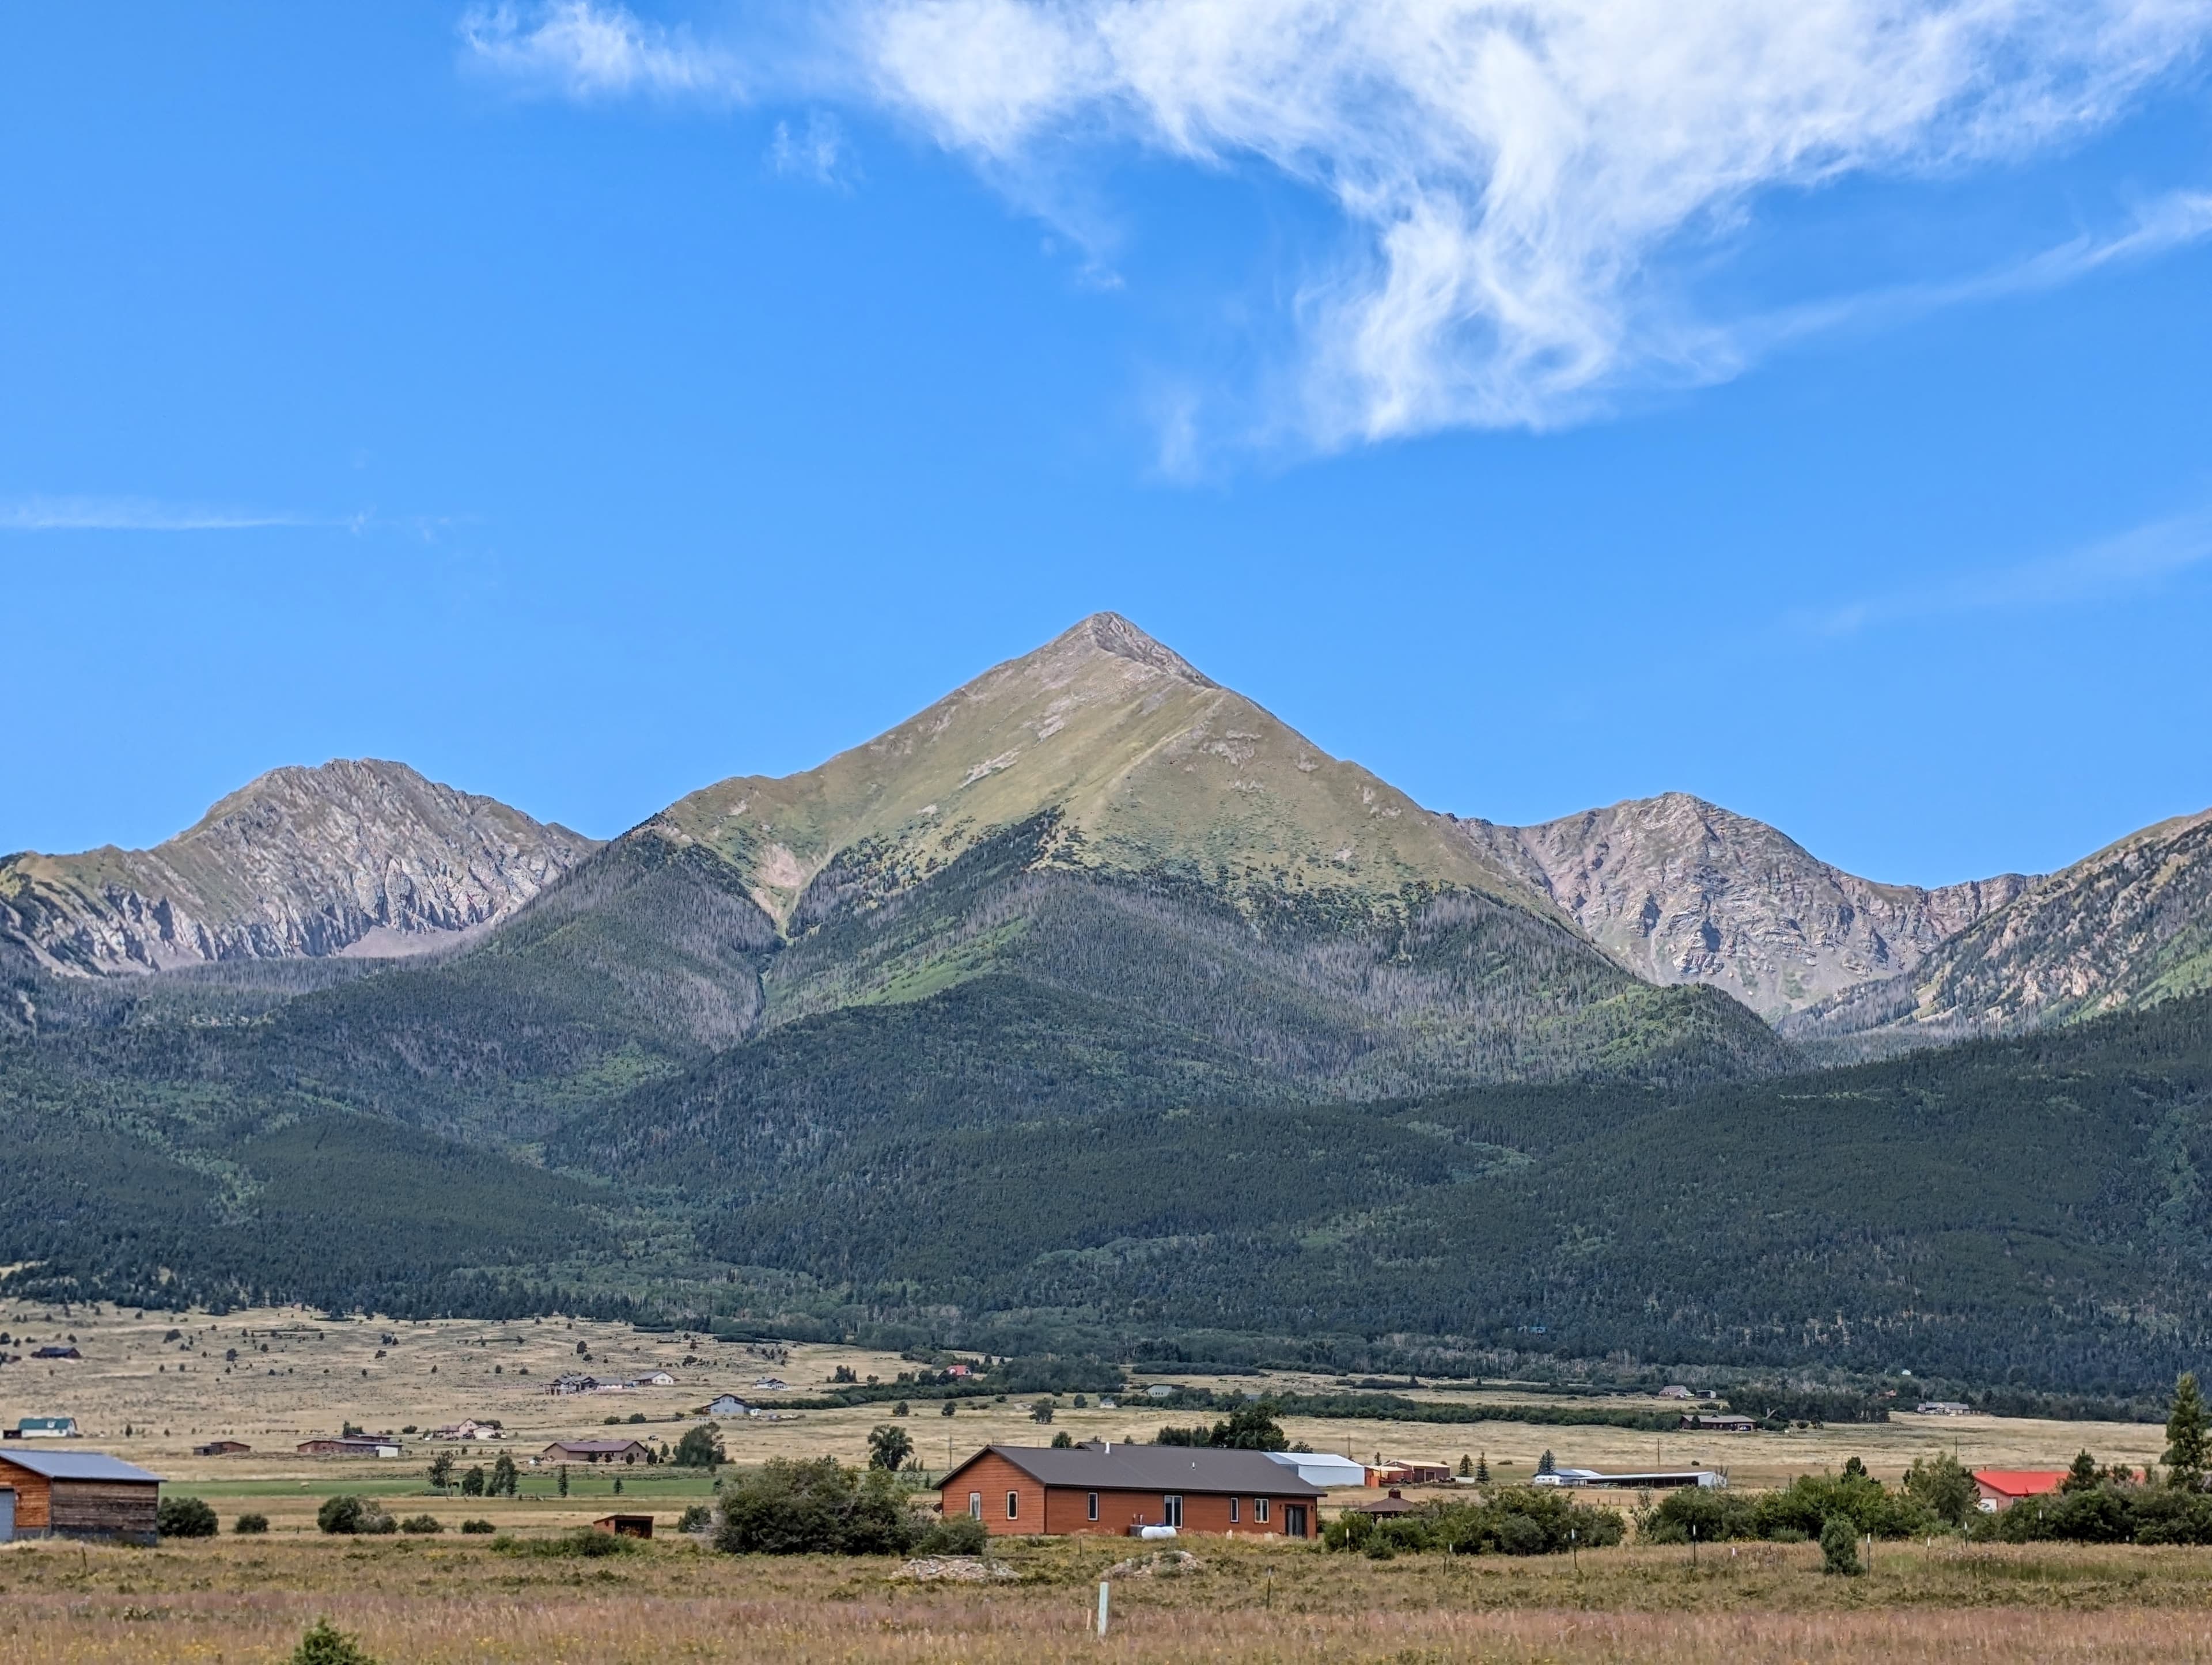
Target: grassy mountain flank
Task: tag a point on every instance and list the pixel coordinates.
(1146, 766)
(2128, 927)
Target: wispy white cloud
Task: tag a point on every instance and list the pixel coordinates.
(819, 151)
(1516, 173)
(138, 514)
(2129, 563)
(584, 50)
(1521, 183)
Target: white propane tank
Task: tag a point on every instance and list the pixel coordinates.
(1156, 1532)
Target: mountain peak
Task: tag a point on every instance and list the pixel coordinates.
(1110, 632)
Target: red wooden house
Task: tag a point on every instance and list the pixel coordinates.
(1100, 1487)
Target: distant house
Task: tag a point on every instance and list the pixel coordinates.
(624, 1526)
(222, 1448)
(1409, 1473)
(727, 1405)
(1647, 1479)
(1384, 1508)
(1675, 1390)
(77, 1494)
(654, 1379)
(45, 1427)
(467, 1428)
(1160, 1390)
(1943, 1407)
(772, 1384)
(56, 1352)
(350, 1445)
(594, 1450)
(1718, 1425)
(1321, 1468)
(1115, 1490)
(2001, 1488)
(957, 1372)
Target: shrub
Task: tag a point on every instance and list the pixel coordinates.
(250, 1524)
(698, 1518)
(422, 1525)
(1518, 1521)
(475, 1528)
(1942, 1485)
(1839, 1546)
(956, 1534)
(349, 1515)
(184, 1517)
(1717, 1516)
(583, 1542)
(814, 1507)
(324, 1645)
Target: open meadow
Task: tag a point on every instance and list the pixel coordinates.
(241, 1600)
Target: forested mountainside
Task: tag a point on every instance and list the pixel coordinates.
(2029, 1210)
(1680, 890)
(2128, 927)
(298, 862)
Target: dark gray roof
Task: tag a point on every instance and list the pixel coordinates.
(76, 1465)
(1155, 1468)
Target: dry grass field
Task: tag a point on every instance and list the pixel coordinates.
(447, 1598)
(243, 1602)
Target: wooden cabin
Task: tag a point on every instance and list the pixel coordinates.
(77, 1494)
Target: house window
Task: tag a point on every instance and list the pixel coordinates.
(976, 1505)
(1232, 1511)
(1172, 1509)
(1093, 1508)
(1013, 1505)
(1260, 1510)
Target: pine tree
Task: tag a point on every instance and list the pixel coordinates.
(2188, 1435)
(1482, 1469)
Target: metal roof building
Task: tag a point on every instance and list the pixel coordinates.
(75, 1494)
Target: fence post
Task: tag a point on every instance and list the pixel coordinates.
(1104, 1587)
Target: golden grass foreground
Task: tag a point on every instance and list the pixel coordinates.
(239, 1601)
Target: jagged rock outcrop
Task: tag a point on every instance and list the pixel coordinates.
(1677, 890)
(2128, 925)
(357, 855)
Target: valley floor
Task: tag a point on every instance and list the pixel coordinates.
(246, 1603)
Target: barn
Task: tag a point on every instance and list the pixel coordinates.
(77, 1494)
(1102, 1487)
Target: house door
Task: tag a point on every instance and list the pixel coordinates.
(7, 1515)
(1172, 1509)
(1294, 1520)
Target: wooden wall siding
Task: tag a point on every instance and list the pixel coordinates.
(994, 1477)
(104, 1506)
(32, 1494)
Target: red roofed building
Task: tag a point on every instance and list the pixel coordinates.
(2001, 1488)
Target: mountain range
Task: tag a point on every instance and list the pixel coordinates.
(1094, 924)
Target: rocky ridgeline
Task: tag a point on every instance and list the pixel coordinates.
(358, 856)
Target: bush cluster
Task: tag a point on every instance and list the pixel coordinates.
(2109, 1512)
(818, 1506)
(1524, 1520)
(1936, 1496)
(184, 1517)
(349, 1515)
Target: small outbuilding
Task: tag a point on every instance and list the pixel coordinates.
(223, 1448)
(1323, 1468)
(351, 1445)
(77, 1494)
(44, 1427)
(624, 1526)
(1717, 1424)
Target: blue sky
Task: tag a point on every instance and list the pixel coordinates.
(582, 405)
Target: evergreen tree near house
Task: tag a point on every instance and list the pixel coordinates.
(1482, 1469)
(561, 1482)
(503, 1477)
(2188, 1435)
(2081, 1474)
(472, 1483)
(1466, 1466)
(441, 1471)
(1547, 1464)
